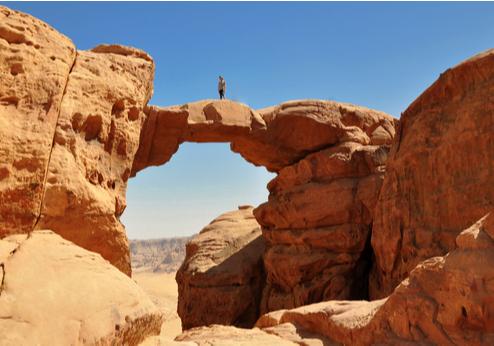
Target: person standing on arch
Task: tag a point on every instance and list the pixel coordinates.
(221, 87)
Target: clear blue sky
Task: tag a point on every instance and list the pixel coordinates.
(380, 55)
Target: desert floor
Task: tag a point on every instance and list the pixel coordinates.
(162, 289)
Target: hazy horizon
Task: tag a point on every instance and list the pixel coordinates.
(378, 55)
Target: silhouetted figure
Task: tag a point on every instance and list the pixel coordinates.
(221, 87)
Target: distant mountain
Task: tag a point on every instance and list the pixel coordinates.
(157, 255)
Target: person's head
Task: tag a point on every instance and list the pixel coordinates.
(220, 77)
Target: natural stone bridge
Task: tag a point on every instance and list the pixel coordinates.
(75, 126)
(80, 127)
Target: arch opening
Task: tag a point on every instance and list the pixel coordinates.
(200, 182)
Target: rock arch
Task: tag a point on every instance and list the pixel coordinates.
(92, 129)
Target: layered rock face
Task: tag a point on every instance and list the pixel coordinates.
(318, 218)
(445, 301)
(439, 174)
(221, 278)
(35, 61)
(56, 293)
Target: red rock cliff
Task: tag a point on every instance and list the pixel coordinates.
(438, 175)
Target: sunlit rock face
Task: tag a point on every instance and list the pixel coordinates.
(70, 125)
(274, 137)
(35, 61)
(54, 292)
(221, 278)
(95, 141)
(76, 126)
(439, 175)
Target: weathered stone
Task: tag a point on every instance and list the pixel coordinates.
(56, 293)
(96, 138)
(35, 61)
(220, 281)
(317, 226)
(438, 178)
(445, 301)
(274, 144)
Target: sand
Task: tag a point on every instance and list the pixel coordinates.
(162, 289)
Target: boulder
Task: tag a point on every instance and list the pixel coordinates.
(56, 293)
(221, 278)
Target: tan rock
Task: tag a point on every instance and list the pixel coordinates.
(96, 139)
(35, 61)
(438, 178)
(56, 293)
(220, 281)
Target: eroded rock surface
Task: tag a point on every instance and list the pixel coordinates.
(445, 301)
(220, 281)
(96, 138)
(439, 174)
(274, 137)
(70, 125)
(318, 218)
(330, 160)
(35, 61)
(56, 293)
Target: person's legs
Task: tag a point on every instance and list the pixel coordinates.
(222, 94)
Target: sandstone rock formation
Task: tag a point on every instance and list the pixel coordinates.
(221, 278)
(70, 127)
(95, 141)
(438, 178)
(35, 61)
(318, 218)
(445, 301)
(157, 255)
(329, 158)
(56, 293)
(76, 125)
(274, 137)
